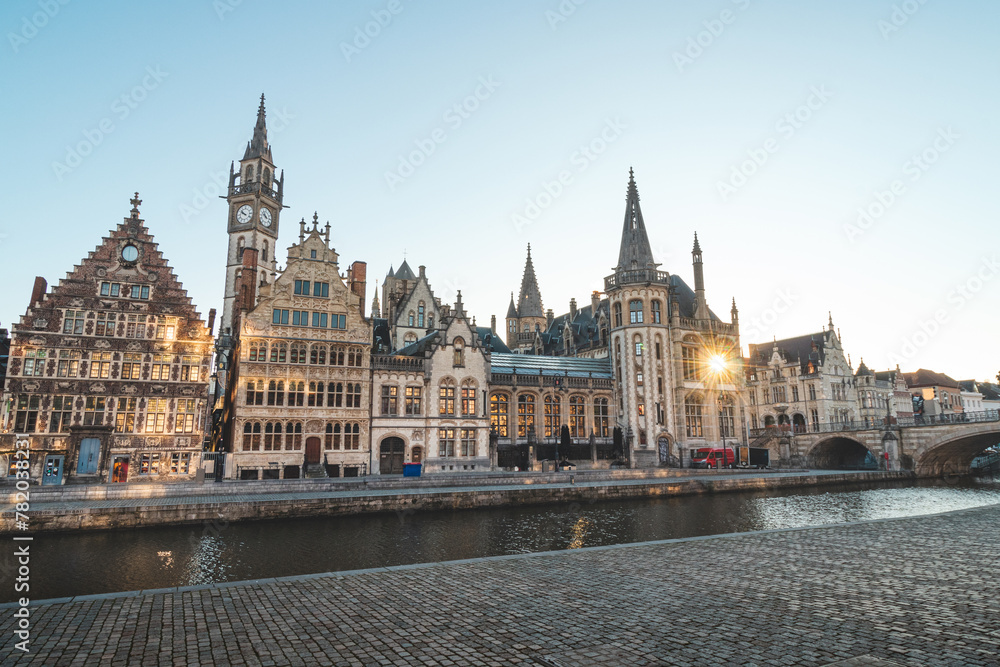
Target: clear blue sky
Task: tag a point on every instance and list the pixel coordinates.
(884, 85)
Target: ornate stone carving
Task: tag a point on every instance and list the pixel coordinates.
(103, 344)
(40, 323)
(129, 389)
(98, 388)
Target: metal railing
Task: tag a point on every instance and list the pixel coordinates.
(636, 276)
(398, 363)
(880, 424)
(252, 187)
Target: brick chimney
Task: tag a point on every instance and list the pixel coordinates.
(38, 290)
(572, 310)
(356, 277)
(595, 302)
(211, 320)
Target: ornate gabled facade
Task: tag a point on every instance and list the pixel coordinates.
(108, 371)
(410, 305)
(430, 399)
(300, 382)
(802, 382)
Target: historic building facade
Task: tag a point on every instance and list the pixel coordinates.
(300, 387)
(108, 371)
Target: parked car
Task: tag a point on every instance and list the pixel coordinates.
(713, 457)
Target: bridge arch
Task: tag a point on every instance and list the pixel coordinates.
(955, 454)
(839, 451)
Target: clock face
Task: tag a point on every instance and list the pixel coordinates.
(244, 214)
(265, 217)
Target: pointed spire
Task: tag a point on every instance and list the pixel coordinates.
(135, 201)
(511, 309)
(830, 325)
(376, 310)
(635, 252)
(697, 246)
(529, 301)
(258, 146)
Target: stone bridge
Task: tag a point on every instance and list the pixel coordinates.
(930, 446)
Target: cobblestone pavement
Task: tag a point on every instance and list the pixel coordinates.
(363, 492)
(914, 591)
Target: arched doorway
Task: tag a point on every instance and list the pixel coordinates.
(768, 421)
(799, 423)
(312, 451)
(391, 453)
(417, 455)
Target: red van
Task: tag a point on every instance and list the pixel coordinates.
(708, 457)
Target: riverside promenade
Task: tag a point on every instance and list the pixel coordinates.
(98, 507)
(911, 591)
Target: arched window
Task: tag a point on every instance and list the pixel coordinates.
(552, 419)
(352, 436)
(317, 354)
(278, 352)
(577, 417)
(315, 396)
(240, 244)
(511, 326)
(293, 436)
(459, 345)
(263, 252)
(332, 436)
(251, 437)
(499, 406)
(618, 314)
(420, 314)
(689, 361)
(353, 395)
(336, 356)
(727, 424)
(335, 395)
(255, 392)
(409, 338)
(654, 306)
(469, 398)
(410, 319)
(272, 436)
(276, 392)
(635, 311)
(693, 416)
(446, 398)
(297, 353)
(601, 424)
(296, 393)
(267, 176)
(525, 415)
(249, 173)
(430, 320)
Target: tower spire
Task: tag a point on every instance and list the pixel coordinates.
(529, 301)
(635, 253)
(258, 146)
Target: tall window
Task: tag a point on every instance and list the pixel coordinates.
(317, 354)
(468, 398)
(353, 395)
(251, 437)
(161, 367)
(815, 419)
(105, 325)
(727, 425)
(352, 435)
(459, 352)
(297, 354)
(655, 311)
(335, 394)
(525, 415)
(420, 315)
(189, 369)
(26, 413)
(272, 436)
(552, 418)
(276, 392)
(332, 436)
(410, 320)
(184, 420)
(689, 362)
(446, 398)
(336, 356)
(618, 314)
(499, 407)
(258, 351)
(73, 322)
(255, 392)
(413, 401)
(601, 423)
(795, 394)
(693, 416)
(468, 442)
(100, 364)
(577, 417)
(315, 396)
(156, 415)
(390, 399)
(278, 353)
(635, 311)
(446, 442)
(293, 436)
(61, 416)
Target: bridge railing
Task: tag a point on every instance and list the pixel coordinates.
(879, 424)
(955, 418)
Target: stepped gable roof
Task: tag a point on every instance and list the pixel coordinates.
(532, 364)
(925, 378)
(493, 343)
(803, 349)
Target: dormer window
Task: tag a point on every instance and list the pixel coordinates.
(312, 254)
(459, 352)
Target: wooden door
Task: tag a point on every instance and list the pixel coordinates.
(312, 450)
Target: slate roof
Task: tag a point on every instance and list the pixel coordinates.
(803, 349)
(536, 364)
(529, 300)
(404, 272)
(420, 346)
(925, 378)
(864, 370)
(258, 146)
(634, 252)
(989, 391)
(491, 342)
(584, 329)
(685, 297)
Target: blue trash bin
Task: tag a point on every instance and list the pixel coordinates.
(411, 469)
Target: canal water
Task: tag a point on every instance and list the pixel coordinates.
(111, 561)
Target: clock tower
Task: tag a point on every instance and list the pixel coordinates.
(255, 196)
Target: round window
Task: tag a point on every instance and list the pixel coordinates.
(130, 253)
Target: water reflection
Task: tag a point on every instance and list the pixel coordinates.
(161, 557)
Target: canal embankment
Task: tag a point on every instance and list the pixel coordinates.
(135, 506)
